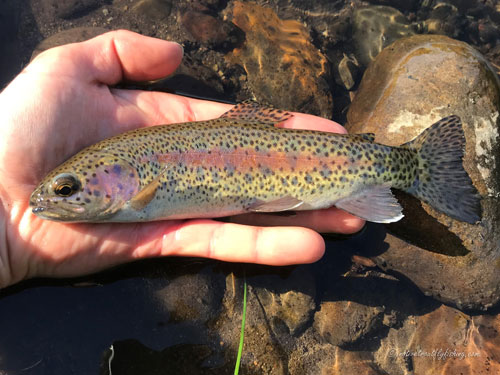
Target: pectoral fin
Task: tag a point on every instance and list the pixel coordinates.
(376, 204)
(282, 204)
(146, 195)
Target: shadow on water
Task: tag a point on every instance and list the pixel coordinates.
(69, 328)
(394, 293)
(66, 329)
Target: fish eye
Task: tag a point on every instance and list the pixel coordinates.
(65, 185)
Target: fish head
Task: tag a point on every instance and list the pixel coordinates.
(89, 187)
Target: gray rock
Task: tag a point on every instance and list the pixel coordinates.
(376, 27)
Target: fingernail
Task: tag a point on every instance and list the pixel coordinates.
(181, 47)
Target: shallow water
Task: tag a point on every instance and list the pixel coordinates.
(182, 316)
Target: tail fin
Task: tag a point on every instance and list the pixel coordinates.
(442, 180)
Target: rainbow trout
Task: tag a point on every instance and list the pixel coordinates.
(241, 163)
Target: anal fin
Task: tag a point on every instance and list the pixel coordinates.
(375, 203)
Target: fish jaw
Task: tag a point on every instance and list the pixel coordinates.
(47, 209)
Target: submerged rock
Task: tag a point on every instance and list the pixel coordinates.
(192, 297)
(444, 19)
(399, 4)
(347, 72)
(443, 341)
(211, 30)
(344, 322)
(280, 59)
(155, 10)
(288, 304)
(376, 27)
(68, 9)
(411, 84)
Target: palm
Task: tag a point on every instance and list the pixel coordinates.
(87, 113)
(59, 105)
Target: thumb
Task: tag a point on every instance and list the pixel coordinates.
(114, 56)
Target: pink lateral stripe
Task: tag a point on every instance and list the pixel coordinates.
(243, 159)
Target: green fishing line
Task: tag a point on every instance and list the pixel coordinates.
(242, 334)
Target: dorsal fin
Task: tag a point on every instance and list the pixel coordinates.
(254, 112)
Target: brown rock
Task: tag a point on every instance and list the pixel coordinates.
(287, 302)
(444, 341)
(156, 10)
(353, 362)
(192, 297)
(211, 30)
(411, 84)
(328, 359)
(283, 66)
(311, 358)
(344, 322)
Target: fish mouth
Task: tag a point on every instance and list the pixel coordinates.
(38, 210)
(37, 203)
(47, 209)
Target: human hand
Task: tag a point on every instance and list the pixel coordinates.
(61, 103)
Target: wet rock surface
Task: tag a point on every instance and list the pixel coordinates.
(413, 83)
(361, 309)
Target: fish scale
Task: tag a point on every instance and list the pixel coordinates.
(241, 163)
